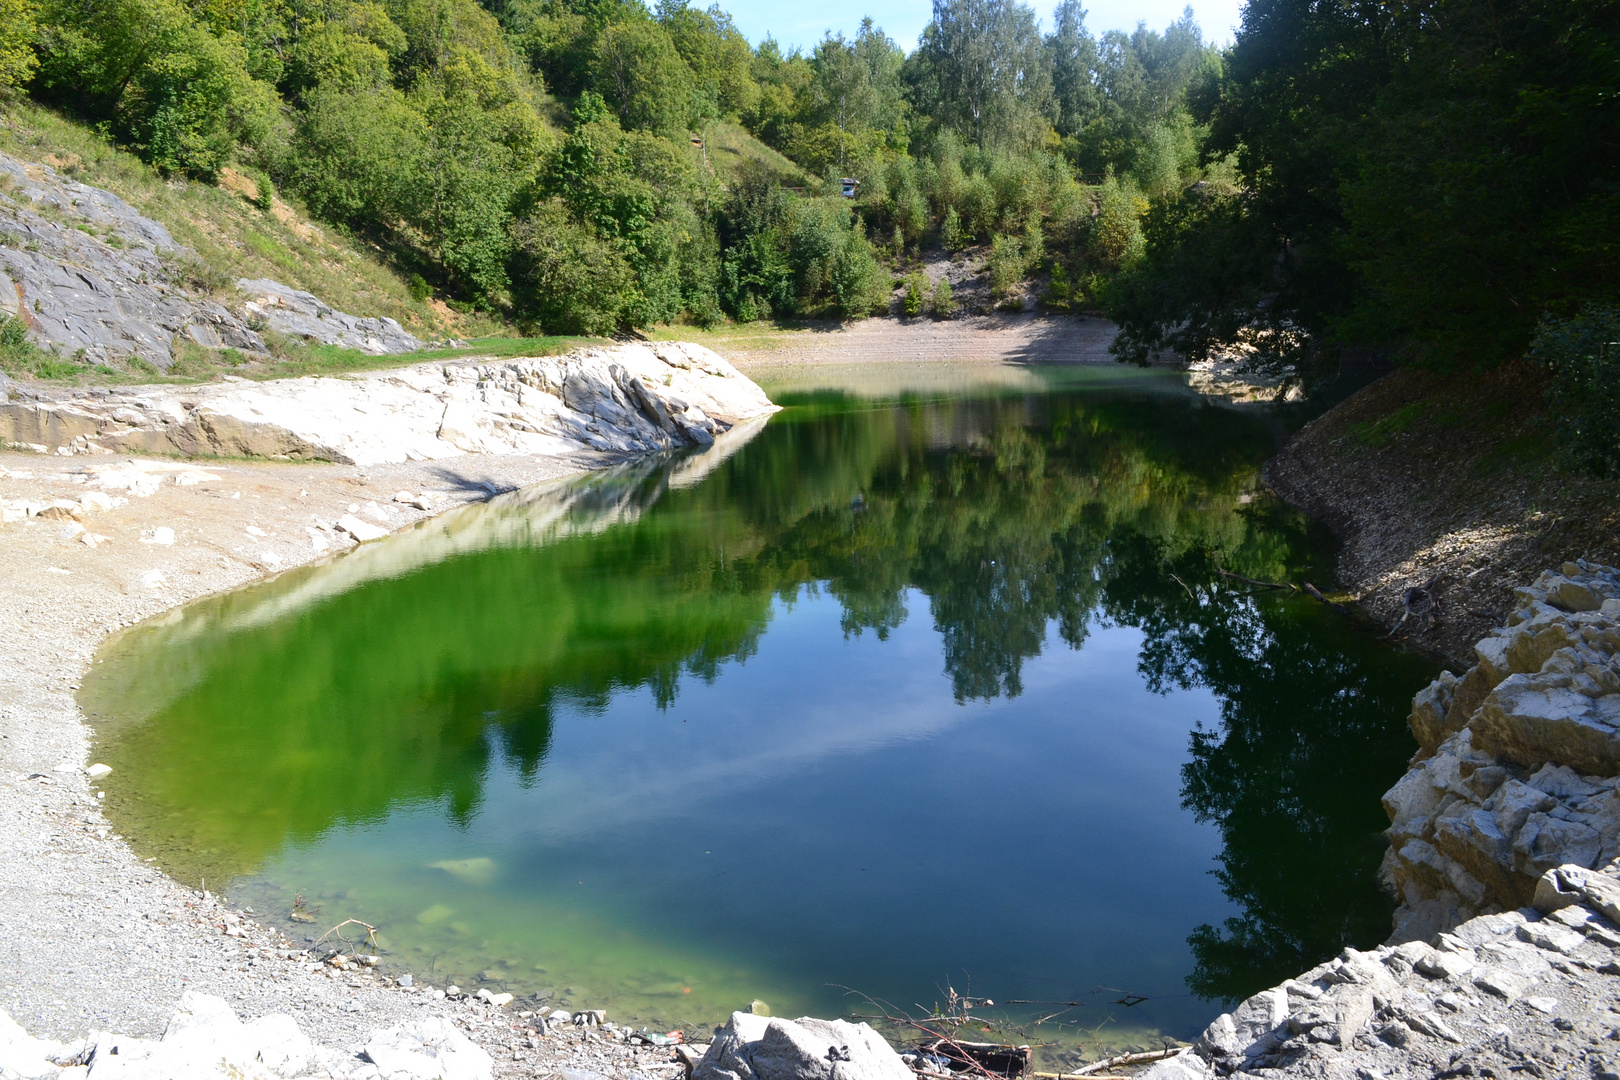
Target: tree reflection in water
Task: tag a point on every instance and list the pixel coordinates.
(1014, 517)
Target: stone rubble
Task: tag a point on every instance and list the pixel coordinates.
(1505, 855)
(85, 271)
(205, 1040)
(629, 400)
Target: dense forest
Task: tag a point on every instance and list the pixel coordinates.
(1430, 179)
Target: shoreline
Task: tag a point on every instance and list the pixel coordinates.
(69, 881)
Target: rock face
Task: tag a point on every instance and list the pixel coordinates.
(629, 399)
(1518, 760)
(302, 315)
(1527, 991)
(205, 1040)
(85, 271)
(1504, 959)
(754, 1047)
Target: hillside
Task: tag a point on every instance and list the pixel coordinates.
(1454, 482)
(152, 287)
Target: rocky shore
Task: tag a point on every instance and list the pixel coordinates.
(93, 938)
(1504, 835)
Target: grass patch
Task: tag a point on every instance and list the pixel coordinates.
(298, 361)
(730, 146)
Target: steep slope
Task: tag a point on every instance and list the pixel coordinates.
(120, 271)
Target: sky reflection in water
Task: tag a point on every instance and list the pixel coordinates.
(906, 692)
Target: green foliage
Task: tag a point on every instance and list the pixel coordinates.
(1583, 353)
(19, 26)
(644, 79)
(1424, 180)
(20, 356)
(942, 302)
(264, 190)
(569, 278)
(951, 232)
(916, 295)
(981, 68)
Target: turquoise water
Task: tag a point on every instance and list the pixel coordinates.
(907, 691)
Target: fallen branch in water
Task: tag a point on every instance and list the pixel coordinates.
(371, 933)
(1316, 594)
(1257, 584)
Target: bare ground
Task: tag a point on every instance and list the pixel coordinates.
(1452, 480)
(985, 339)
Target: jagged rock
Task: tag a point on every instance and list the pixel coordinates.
(754, 1047)
(629, 400)
(1517, 768)
(430, 1049)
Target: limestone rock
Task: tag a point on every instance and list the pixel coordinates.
(628, 400)
(1518, 759)
(754, 1047)
(430, 1049)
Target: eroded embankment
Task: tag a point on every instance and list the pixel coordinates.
(1503, 853)
(1448, 493)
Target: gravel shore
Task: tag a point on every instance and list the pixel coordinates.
(91, 936)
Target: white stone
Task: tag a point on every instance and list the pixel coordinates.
(98, 770)
(361, 530)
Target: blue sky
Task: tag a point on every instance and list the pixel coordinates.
(804, 23)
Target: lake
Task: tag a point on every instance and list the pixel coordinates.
(931, 683)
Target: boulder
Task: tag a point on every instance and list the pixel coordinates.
(430, 1049)
(754, 1047)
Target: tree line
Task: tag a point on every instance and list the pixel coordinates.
(542, 159)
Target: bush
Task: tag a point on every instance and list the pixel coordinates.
(1583, 354)
(943, 302)
(916, 293)
(264, 192)
(952, 233)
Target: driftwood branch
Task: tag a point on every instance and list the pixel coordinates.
(1122, 1059)
(1256, 584)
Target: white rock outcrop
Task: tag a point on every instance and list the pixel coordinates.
(1524, 992)
(1518, 770)
(628, 399)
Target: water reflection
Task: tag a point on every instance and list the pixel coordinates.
(318, 724)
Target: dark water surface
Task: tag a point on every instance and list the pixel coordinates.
(906, 692)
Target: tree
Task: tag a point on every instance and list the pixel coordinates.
(1072, 52)
(18, 28)
(981, 68)
(644, 79)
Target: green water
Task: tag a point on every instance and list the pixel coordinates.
(904, 691)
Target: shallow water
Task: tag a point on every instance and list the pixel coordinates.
(905, 691)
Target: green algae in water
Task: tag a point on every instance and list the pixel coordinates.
(907, 693)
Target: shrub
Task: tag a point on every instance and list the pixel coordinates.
(1583, 354)
(264, 191)
(951, 232)
(943, 302)
(916, 293)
